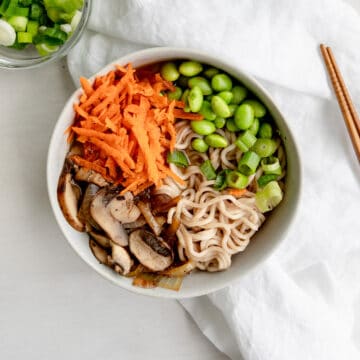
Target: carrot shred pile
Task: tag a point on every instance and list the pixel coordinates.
(127, 128)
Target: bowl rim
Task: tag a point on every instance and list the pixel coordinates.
(34, 62)
(183, 53)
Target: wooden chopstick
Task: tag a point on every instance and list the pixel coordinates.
(343, 97)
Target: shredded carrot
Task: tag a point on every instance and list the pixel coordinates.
(126, 127)
(236, 192)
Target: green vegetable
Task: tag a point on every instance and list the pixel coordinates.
(220, 181)
(239, 94)
(178, 158)
(182, 81)
(203, 127)
(245, 141)
(269, 196)
(24, 37)
(199, 145)
(264, 179)
(236, 180)
(264, 147)
(271, 165)
(232, 108)
(231, 126)
(190, 68)
(219, 106)
(19, 11)
(206, 111)
(254, 128)
(36, 11)
(249, 163)
(45, 49)
(18, 23)
(176, 94)
(208, 170)
(219, 122)
(265, 131)
(226, 95)
(62, 10)
(202, 83)
(259, 108)
(169, 71)
(7, 34)
(244, 116)
(195, 99)
(32, 27)
(211, 72)
(185, 99)
(221, 82)
(216, 141)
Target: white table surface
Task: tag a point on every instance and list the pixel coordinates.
(52, 305)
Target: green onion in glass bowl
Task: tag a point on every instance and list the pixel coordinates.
(35, 32)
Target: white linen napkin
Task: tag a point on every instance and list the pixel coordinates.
(304, 302)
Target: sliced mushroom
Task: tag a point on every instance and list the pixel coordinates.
(100, 253)
(124, 210)
(101, 214)
(90, 176)
(102, 240)
(136, 224)
(84, 212)
(151, 251)
(68, 194)
(75, 149)
(120, 259)
(145, 209)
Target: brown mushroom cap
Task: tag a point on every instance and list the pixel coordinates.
(100, 253)
(68, 194)
(151, 251)
(101, 214)
(90, 176)
(84, 212)
(120, 259)
(124, 210)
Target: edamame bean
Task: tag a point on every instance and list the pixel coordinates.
(226, 95)
(216, 141)
(199, 145)
(206, 111)
(185, 100)
(219, 106)
(203, 127)
(259, 108)
(176, 94)
(190, 68)
(265, 131)
(202, 83)
(239, 94)
(232, 108)
(254, 128)
(221, 82)
(244, 116)
(210, 72)
(169, 71)
(182, 81)
(195, 99)
(219, 122)
(231, 126)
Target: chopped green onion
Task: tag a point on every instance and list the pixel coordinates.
(271, 165)
(46, 49)
(3, 7)
(245, 141)
(25, 2)
(249, 163)
(24, 37)
(236, 180)
(35, 11)
(264, 147)
(55, 34)
(178, 158)
(10, 11)
(7, 34)
(269, 196)
(264, 179)
(208, 170)
(18, 22)
(220, 181)
(32, 27)
(265, 131)
(20, 11)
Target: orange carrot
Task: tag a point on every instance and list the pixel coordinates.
(237, 192)
(126, 127)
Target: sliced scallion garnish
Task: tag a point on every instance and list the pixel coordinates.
(208, 170)
(178, 158)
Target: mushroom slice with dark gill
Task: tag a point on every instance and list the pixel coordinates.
(90, 176)
(101, 214)
(100, 253)
(151, 251)
(120, 259)
(123, 208)
(145, 209)
(101, 239)
(68, 194)
(84, 212)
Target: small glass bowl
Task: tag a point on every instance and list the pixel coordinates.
(30, 58)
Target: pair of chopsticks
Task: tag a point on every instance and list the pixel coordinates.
(343, 97)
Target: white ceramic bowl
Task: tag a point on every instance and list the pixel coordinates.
(263, 243)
